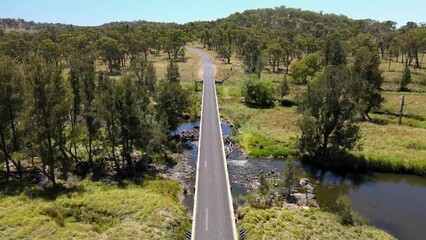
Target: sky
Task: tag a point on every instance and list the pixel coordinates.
(97, 12)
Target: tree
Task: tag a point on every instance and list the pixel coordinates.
(299, 72)
(173, 75)
(11, 106)
(175, 40)
(264, 185)
(334, 52)
(284, 88)
(275, 53)
(253, 56)
(145, 75)
(16, 45)
(406, 79)
(49, 50)
(367, 66)
(48, 111)
(106, 105)
(258, 92)
(289, 176)
(128, 119)
(172, 102)
(111, 52)
(88, 96)
(225, 52)
(150, 78)
(329, 108)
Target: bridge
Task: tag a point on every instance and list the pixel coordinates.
(213, 210)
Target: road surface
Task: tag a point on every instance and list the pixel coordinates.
(213, 210)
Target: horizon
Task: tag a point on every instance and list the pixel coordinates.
(96, 13)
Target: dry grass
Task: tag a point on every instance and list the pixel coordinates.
(282, 223)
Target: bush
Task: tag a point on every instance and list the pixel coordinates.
(258, 92)
(344, 209)
(347, 215)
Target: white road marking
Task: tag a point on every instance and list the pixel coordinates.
(207, 219)
(205, 164)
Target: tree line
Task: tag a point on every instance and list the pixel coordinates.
(276, 38)
(61, 114)
(337, 57)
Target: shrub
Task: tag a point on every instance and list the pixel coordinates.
(344, 209)
(258, 92)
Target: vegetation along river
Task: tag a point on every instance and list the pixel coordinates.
(393, 202)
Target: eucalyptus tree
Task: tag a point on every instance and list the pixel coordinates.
(329, 109)
(47, 114)
(367, 66)
(11, 107)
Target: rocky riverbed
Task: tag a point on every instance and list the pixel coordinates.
(244, 172)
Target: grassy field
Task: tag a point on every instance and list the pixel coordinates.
(385, 146)
(93, 211)
(189, 68)
(281, 223)
(393, 77)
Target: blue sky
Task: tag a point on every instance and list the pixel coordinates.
(96, 12)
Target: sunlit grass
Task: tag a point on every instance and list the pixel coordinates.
(414, 103)
(282, 223)
(93, 211)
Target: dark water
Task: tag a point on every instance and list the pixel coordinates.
(393, 202)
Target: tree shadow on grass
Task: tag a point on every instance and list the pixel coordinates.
(33, 191)
(256, 106)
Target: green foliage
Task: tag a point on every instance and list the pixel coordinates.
(145, 74)
(308, 66)
(289, 176)
(225, 52)
(173, 75)
(49, 50)
(366, 65)
(48, 111)
(347, 215)
(284, 88)
(172, 102)
(252, 56)
(264, 185)
(111, 51)
(406, 79)
(334, 52)
(328, 109)
(258, 92)
(11, 99)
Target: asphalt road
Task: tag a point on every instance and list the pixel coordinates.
(213, 210)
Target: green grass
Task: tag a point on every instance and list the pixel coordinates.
(393, 77)
(414, 103)
(93, 211)
(282, 223)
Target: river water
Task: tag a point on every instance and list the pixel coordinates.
(393, 202)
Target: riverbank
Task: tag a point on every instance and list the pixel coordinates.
(149, 209)
(299, 223)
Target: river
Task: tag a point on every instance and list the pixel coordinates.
(393, 202)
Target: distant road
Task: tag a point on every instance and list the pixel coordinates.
(213, 210)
